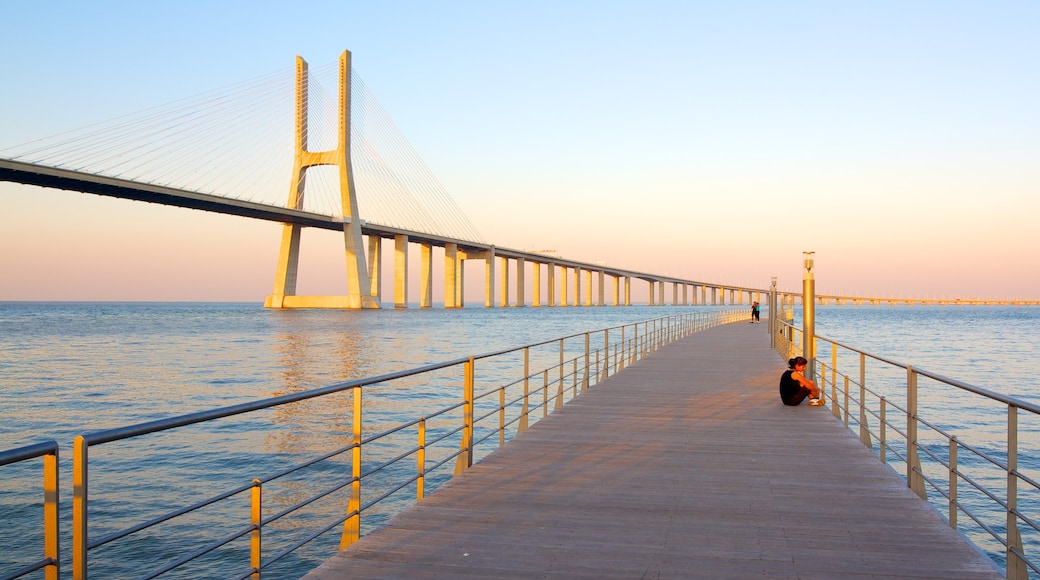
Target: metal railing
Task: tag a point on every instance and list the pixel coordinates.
(930, 452)
(265, 531)
(48, 450)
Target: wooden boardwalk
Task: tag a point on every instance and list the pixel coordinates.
(686, 464)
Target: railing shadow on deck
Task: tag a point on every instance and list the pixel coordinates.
(282, 507)
(967, 450)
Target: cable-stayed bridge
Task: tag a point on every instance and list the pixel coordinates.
(285, 147)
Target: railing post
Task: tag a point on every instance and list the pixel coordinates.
(501, 416)
(606, 355)
(545, 392)
(624, 352)
(914, 479)
(465, 459)
(864, 429)
(527, 376)
(585, 379)
(255, 516)
(79, 508)
(883, 440)
(558, 401)
(1016, 566)
(952, 475)
(420, 459)
(352, 525)
(51, 543)
(846, 408)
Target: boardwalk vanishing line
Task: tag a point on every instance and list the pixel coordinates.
(684, 465)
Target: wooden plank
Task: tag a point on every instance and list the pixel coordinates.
(685, 464)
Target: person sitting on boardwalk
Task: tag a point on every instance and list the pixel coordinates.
(794, 387)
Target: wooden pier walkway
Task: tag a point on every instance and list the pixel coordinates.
(684, 465)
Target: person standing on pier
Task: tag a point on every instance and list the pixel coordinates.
(755, 312)
(794, 387)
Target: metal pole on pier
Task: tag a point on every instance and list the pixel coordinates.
(809, 316)
(773, 316)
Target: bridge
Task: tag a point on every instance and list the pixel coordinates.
(214, 153)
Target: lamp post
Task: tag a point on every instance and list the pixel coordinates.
(809, 316)
(772, 313)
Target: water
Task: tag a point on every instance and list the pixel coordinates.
(71, 368)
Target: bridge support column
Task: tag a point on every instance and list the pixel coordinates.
(503, 300)
(520, 274)
(359, 286)
(660, 292)
(450, 270)
(577, 286)
(628, 291)
(588, 287)
(375, 261)
(675, 293)
(602, 299)
(550, 283)
(650, 296)
(536, 275)
(563, 285)
(400, 271)
(489, 278)
(425, 276)
(288, 264)
(617, 291)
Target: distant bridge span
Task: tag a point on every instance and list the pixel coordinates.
(684, 291)
(573, 286)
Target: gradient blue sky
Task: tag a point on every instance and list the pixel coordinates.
(900, 141)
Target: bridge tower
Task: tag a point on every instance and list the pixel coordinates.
(359, 291)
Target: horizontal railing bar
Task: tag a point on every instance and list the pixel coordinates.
(200, 552)
(1023, 477)
(29, 569)
(275, 517)
(339, 521)
(1029, 521)
(49, 447)
(165, 517)
(1024, 405)
(307, 464)
(385, 495)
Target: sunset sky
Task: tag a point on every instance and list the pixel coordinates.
(714, 141)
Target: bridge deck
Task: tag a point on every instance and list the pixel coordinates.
(685, 464)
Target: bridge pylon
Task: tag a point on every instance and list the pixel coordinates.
(359, 291)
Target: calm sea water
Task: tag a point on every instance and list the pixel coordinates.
(70, 368)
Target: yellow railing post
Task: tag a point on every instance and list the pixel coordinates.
(255, 517)
(352, 525)
(1016, 566)
(420, 459)
(585, 379)
(559, 401)
(51, 549)
(883, 431)
(914, 479)
(527, 385)
(545, 392)
(501, 416)
(79, 508)
(952, 478)
(864, 429)
(606, 355)
(465, 459)
(846, 407)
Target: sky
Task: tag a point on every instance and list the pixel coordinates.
(714, 141)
